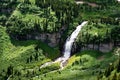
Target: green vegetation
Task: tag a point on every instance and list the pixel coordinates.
(4, 40)
(52, 67)
(82, 66)
(21, 56)
(113, 71)
(44, 20)
(99, 33)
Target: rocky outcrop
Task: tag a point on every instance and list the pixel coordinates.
(6, 10)
(103, 47)
(52, 39)
(90, 4)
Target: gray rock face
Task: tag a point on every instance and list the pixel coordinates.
(103, 47)
(51, 39)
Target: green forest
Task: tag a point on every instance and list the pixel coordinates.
(59, 39)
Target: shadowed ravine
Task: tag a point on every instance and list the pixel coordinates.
(68, 47)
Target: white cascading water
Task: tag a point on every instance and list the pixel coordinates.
(69, 42)
(68, 47)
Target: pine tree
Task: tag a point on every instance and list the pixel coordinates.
(27, 1)
(10, 70)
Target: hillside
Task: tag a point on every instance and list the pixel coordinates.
(35, 33)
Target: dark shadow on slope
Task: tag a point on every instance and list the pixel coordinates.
(47, 50)
(93, 53)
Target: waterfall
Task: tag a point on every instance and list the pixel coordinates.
(69, 42)
(68, 46)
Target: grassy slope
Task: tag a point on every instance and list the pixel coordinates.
(92, 62)
(20, 50)
(16, 53)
